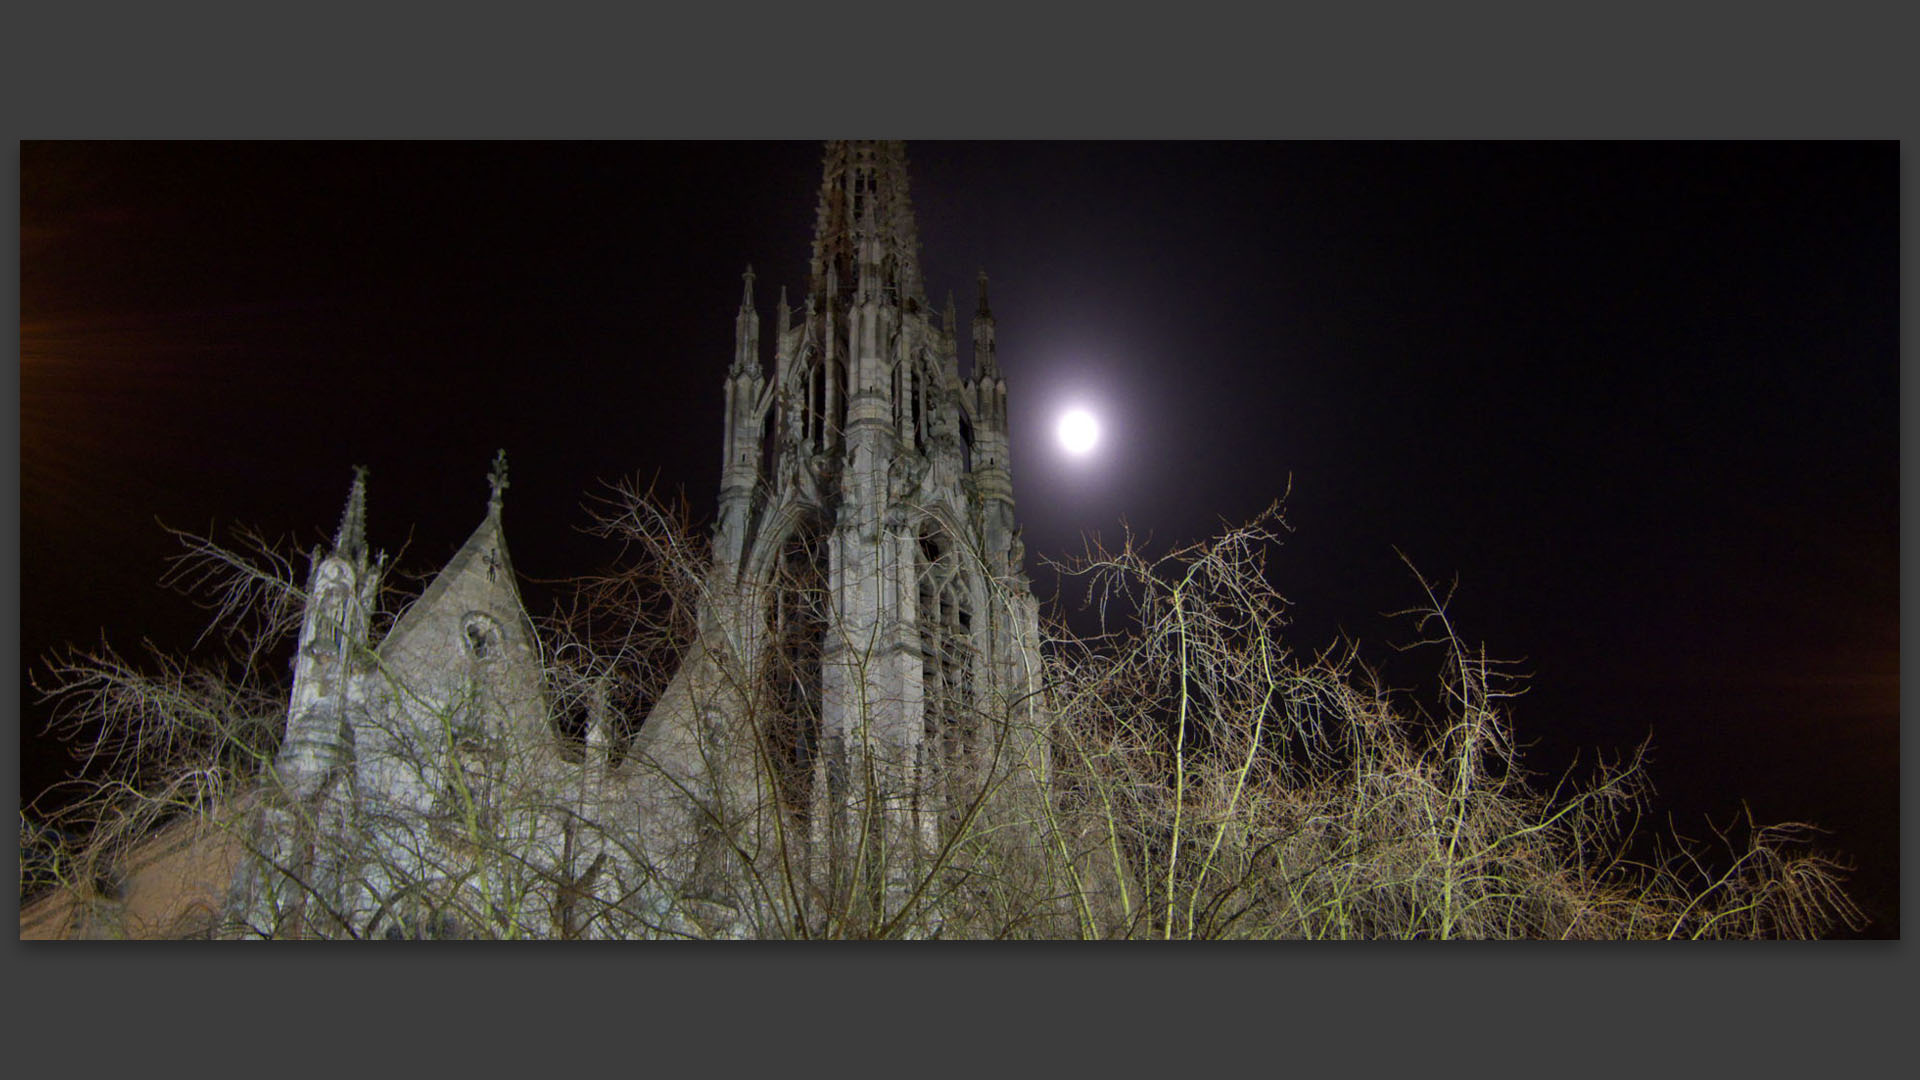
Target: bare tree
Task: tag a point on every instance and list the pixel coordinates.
(1186, 774)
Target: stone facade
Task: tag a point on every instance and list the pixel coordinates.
(867, 564)
(398, 755)
(865, 679)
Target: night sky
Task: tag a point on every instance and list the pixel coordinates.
(1640, 398)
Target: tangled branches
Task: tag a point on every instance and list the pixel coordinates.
(1224, 786)
(1183, 774)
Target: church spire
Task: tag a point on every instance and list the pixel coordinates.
(350, 539)
(864, 222)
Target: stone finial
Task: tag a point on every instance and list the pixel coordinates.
(984, 367)
(497, 480)
(746, 296)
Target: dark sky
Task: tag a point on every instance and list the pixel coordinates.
(1640, 398)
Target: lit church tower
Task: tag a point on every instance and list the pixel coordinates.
(864, 679)
(867, 565)
(863, 685)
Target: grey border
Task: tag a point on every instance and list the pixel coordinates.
(1711, 71)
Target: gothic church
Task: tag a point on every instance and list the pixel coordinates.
(864, 682)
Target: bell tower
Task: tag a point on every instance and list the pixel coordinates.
(866, 547)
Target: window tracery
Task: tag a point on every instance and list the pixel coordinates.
(797, 630)
(947, 661)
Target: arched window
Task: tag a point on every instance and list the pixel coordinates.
(817, 405)
(770, 423)
(330, 635)
(917, 400)
(837, 402)
(950, 748)
(332, 619)
(797, 630)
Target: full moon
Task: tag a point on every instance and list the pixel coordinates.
(1078, 431)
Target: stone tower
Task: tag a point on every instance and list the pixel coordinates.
(342, 587)
(867, 566)
(863, 685)
(327, 714)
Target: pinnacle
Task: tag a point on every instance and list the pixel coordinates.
(350, 539)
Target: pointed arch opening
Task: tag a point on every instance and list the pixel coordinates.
(837, 398)
(797, 622)
(333, 622)
(947, 619)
